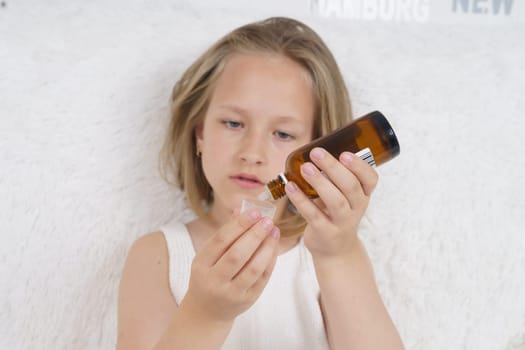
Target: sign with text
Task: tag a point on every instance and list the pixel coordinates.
(421, 10)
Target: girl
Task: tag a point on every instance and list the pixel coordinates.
(242, 281)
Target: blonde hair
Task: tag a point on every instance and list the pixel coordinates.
(180, 163)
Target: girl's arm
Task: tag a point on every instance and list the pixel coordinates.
(354, 313)
(228, 274)
(148, 317)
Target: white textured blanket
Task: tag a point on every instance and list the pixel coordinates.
(84, 91)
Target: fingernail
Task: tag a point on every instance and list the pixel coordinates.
(254, 215)
(317, 153)
(291, 187)
(267, 223)
(346, 157)
(308, 169)
(275, 232)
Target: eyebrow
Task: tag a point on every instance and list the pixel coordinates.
(245, 113)
(235, 109)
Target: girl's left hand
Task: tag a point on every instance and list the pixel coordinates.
(344, 189)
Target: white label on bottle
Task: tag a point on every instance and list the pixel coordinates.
(366, 155)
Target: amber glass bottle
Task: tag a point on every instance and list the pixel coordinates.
(371, 137)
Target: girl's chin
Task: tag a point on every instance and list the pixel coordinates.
(227, 207)
(236, 201)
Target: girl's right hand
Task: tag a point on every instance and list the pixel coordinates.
(230, 271)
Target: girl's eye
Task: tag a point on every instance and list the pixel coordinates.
(230, 124)
(283, 136)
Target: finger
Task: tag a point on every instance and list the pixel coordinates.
(365, 174)
(257, 282)
(338, 188)
(219, 243)
(354, 177)
(259, 263)
(241, 251)
(305, 206)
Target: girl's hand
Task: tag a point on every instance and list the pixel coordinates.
(232, 268)
(344, 190)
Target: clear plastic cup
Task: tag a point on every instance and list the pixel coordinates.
(266, 208)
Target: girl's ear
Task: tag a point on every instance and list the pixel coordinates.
(198, 131)
(198, 136)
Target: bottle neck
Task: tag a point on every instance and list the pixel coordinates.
(276, 186)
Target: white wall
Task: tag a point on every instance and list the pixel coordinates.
(83, 103)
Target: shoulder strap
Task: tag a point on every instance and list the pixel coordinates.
(181, 253)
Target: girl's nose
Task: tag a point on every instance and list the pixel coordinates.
(252, 151)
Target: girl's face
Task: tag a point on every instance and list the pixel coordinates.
(261, 109)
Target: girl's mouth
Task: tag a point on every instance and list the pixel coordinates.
(247, 181)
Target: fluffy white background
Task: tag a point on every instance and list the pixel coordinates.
(83, 105)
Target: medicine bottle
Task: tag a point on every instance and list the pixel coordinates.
(370, 137)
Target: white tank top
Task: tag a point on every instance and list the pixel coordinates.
(287, 314)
